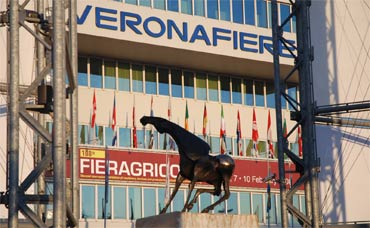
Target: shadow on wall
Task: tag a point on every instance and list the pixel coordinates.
(326, 92)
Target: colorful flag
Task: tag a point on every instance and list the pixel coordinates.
(151, 140)
(222, 132)
(299, 139)
(94, 112)
(269, 137)
(186, 117)
(205, 120)
(134, 141)
(255, 135)
(114, 122)
(239, 136)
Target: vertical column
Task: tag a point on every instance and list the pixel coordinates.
(279, 128)
(13, 117)
(59, 146)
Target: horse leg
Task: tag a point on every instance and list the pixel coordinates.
(197, 194)
(191, 187)
(223, 198)
(179, 180)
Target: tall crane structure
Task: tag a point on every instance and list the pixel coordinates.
(57, 59)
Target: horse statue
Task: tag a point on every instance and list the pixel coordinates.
(196, 164)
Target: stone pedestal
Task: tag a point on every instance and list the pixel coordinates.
(191, 220)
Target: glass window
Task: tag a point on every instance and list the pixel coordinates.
(225, 10)
(261, 13)
(245, 203)
(236, 85)
(283, 100)
(120, 203)
(293, 220)
(161, 198)
(149, 132)
(225, 90)
(133, 2)
(292, 92)
(271, 214)
(303, 203)
(96, 78)
(159, 4)
(196, 204)
(269, 13)
(186, 7)
(83, 133)
(215, 144)
(100, 139)
(173, 5)
(145, 3)
(249, 12)
(164, 87)
(124, 137)
(284, 14)
(134, 195)
(294, 24)
(249, 149)
(205, 201)
(176, 83)
(124, 76)
(235, 147)
(102, 206)
(137, 78)
(212, 9)
(262, 153)
(237, 11)
(88, 201)
(140, 138)
(258, 206)
(259, 93)
(270, 95)
(109, 136)
(219, 208)
(110, 74)
(199, 7)
(150, 80)
(201, 86)
(229, 145)
(213, 87)
(178, 201)
(232, 204)
(278, 209)
(188, 84)
(248, 92)
(82, 71)
(149, 202)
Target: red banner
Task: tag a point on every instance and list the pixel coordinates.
(139, 166)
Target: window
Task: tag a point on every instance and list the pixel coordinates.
(102, 206)
(248, 92)
(205, 200)
(261, 13)
(212, 9)
(272, 212)
(237, 11)
(109, 134)
(83, 133)
(96, 78)
(140, 138)
(145, 3)
(159, 4)
(236, 84)
(173, 5)
(134, 195)
(199, 7)
(196, 204)
(262, 153)
(215, 144)
(110, 74)
(235, 147)
(178, 201)
(225, 10)
(124, 76)
(82, 71)
(188, 84)
(270, 95)
(249, 149)
(284, 14)
(201, 86)
(149, 139)
(213, 87)
(292, 92)
(133, 2)
(161, 198)
(88, 201)
(249, 12)
(150, 80)
(245, 203)
(232, 203)
(150, 202)
(258, 206)
(259, 93)
(186, 7)
(137, 78)
(176, 83)
(163, 81)
(225, 90)
(124, 137)
(120, 203)
(228, 145)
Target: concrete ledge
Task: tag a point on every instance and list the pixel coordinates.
(191, 220)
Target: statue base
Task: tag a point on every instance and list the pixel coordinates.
(178, 219)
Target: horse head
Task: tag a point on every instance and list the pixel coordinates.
(158, 122)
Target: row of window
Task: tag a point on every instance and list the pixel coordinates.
(103, 136)
(150, 79)
(133, 202)
(250, 12)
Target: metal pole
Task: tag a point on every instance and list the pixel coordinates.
(74, 112)
(279, 128)
(13, 118)
(59, 146)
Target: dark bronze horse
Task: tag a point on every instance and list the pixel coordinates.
(196, 164)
